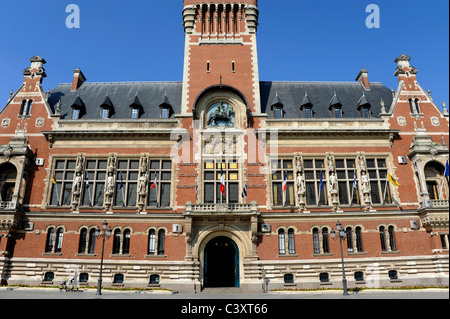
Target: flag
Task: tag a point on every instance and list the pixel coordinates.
(285, 183)
(155, 183)
(196, 190)
(244, 192)
(87, 180)
(321, 181)
(121, 181)
(54, 178)
(392, 180)
(355, 181)
(222, 181)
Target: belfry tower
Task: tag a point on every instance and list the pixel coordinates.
(220, 50)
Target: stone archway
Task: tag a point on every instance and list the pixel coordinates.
(221, 263)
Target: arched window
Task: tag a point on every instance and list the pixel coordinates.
(359, 243)
(126, 242)
(281, 242)
(436, 183)
(116, 241)
(92, 239)
(161, 242)
(59, 240)
(349, 239)
(151, 242)
(50, 240)
(291, 241)
(316, 241)
(326, 244)
(392, 238)
(383, 238)
(417, 103)
(82, 243)
(25, 109)
(8, 176)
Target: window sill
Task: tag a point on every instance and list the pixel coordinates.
(154, 286)
(52, 254)
(47, 283)
(121, 284)
(326, 284)
(287, 255)
(156, 256)
(120, 255)
(395, 252)
(323, 255)
(86, 255)
(353, 253)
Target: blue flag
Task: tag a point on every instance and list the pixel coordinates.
(355, 181)
(244, 192)
(321, 181)
(121, 181)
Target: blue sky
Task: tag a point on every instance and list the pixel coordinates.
(298, 40)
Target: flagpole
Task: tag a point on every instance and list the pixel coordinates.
(385, 188)
(121, 187)
(353, 187)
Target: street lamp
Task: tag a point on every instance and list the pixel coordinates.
(342, 236)
(105, 234)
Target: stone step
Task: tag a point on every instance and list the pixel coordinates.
(224, 290)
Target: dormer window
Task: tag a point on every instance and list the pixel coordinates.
(107, 109)
(308, 112)
(366, 112)
(165, 112)
(134, 113)
(277, 108)
(278, 112)
(336, 107)
(105, 113)
(337, 111)
(166, 108)
(307, 106)
(78, 109)
(75, 114)
(136, 109)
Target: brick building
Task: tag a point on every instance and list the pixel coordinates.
(222, 180)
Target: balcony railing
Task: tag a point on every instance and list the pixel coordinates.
(439, 203)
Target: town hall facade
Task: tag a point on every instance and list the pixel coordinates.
(223, 180)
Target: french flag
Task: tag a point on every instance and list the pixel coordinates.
(285, 183)
(222, 181)
(155, 183)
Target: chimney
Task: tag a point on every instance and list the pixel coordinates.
(363, 78)
(78, 79)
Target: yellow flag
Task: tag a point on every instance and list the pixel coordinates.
(54, 179)
(392, 180)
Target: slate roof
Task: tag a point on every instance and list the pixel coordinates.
(322, 95)
(151, 95)
(119, 96)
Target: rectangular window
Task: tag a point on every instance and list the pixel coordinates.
(94, 187)
(75, 114)
(366, 112)
(316, 183)
(126, 183)
(345, 170)
(283, 194)
(337, 112)
(165, 113)
(212, 185)
(62, 183)
(134, 113)
(105, 113)
(161, 170)
(278, 112)
(378, 173)
(308, 113)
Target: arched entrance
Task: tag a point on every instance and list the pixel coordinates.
(221, 263)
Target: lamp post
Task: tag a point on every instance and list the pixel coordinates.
(342, 236)
(105, 234)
